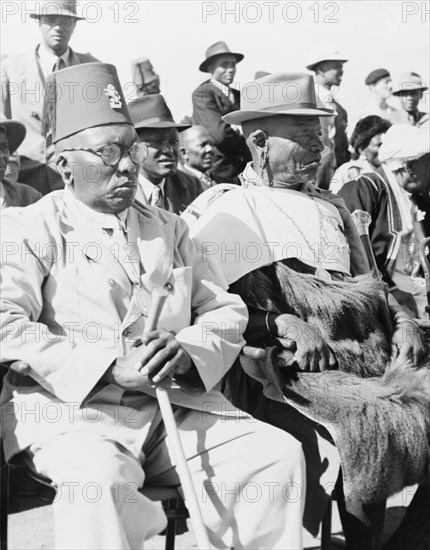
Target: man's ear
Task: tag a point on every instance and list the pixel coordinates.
(259, 139)
(184, 154)
(65, 169)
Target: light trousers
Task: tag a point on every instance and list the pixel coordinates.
(249, 478)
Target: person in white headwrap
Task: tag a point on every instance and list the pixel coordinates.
(397, 197)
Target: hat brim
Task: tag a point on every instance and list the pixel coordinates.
(16, 132)
(331, 58)
(204, 66)
(237, 117)
(65, 14)
(403, 91)
(162, 124)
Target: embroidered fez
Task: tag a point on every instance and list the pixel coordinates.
(291, 94)
(376, 75)
(151, 111)
(324, 52)
(143, 71)
(409, 81)
(15, 132)
(219, 48)
(81, 97)
(65, 8)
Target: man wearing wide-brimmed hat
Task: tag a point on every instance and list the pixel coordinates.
(291, 251)
(23, 80)
(75, 299)
(12, 134)
(160, 182)
(215, 98)
(145, 78)
(410, 90)
(327, 63)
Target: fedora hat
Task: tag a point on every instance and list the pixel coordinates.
(219, 48)
(143, 71)
(291, 94)
(15, 132)
(324, 52)
(56, 7)
(409, 81)
(151, 111)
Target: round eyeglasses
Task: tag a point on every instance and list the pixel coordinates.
(111, 154)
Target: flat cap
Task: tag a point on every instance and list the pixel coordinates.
(376, 75)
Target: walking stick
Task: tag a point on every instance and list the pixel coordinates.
(362, 221)
(159, 296)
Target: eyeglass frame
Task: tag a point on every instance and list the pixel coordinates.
(120, 147)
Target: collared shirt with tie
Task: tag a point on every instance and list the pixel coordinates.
(50, 62)
(148, 193)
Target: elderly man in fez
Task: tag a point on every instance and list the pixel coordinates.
(328, 333)
(410, 90)
(215, 98)
(74, 312)
(57, 20)
(146, 80)
(160, 182)
(197, 153)
(327, 64)
(12, 193)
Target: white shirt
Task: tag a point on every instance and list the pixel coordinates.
(145, 189)
(47, 59)
(226, 90)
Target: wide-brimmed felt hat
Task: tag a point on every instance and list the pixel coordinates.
(151, 111)
(15, 132)
(376, 75)
(409, 81)
(219, 48)
(324, 52)
(95, 99)
(291, 94)
(143, 71)
(66, 8)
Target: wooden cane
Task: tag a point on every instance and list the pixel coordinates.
(362, 221)
(159, 296)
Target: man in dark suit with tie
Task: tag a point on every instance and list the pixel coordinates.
(160, 182)
(23, 79)
(214, 99)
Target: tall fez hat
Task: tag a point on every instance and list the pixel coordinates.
(151, 111)
(291, 94)
(82, 97)
(409, 81)
(15, 132)
(143, 71)
(56, 7)
(324, 52)
(217, 49)
(376, 75)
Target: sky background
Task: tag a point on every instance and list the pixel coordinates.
(274, 36)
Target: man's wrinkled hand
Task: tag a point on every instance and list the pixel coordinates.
(408, 342)
(154, 357)
(311, 352)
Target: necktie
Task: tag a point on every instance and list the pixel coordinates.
(206, 181)
(157, 197)
(231, 96)
(59, 64)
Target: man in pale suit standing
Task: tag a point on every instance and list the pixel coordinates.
(23, 79)
(75, 300)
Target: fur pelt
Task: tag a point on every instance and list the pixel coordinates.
(376, 411)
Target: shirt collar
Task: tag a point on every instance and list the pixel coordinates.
(85, 213)
(48, 59)
(148, 187)
(226, 90)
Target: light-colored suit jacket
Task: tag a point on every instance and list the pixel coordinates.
(67, 310)
(22, 87)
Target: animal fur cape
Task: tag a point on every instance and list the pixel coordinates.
(376, 411)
